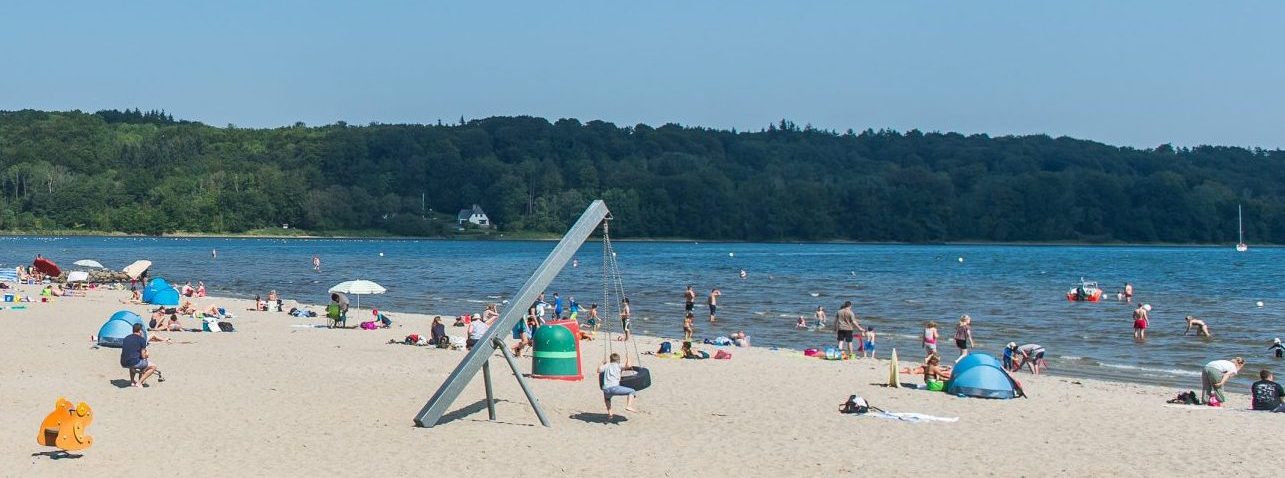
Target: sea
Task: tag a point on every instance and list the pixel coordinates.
(1013, 292)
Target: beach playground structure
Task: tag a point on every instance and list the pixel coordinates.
(66, 427)
(490, 342)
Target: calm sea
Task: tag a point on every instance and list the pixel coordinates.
(1013, 293)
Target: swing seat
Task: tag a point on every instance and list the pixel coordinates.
(64, 428)
(637, 378)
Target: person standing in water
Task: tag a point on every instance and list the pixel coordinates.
(1128, 293)
(316, 263)
(820, 316)
(845, 322)
(689, 299)
(713, 303)
(1140, 321)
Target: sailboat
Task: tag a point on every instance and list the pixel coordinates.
(1240, 228)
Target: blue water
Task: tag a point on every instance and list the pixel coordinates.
(1013, 293)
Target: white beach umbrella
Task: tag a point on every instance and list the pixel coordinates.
(358, 288)
(137, 268)
(77, 276)
(89, 263)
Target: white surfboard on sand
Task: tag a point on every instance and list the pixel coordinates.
(894, 377)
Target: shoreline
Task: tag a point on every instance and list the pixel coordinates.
(525, 237)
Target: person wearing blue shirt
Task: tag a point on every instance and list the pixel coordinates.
(133, 355)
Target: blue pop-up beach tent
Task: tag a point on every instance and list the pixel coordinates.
(120, 325)
(982, 376)
(157, 284)
(166, 296)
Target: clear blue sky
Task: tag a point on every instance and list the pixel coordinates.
(1135, 73)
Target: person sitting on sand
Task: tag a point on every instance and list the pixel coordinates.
(200, 289)
(272, 296)
(214, 311)
(611, 387)
(186, 308)
(1202, 330)
(1267, 393)
(689, 353)
(438, 331)
(476, 329)
(1277, 348)
(187, 290)
(932, 370)
(740, 339)
(259, 304)
(1215, 375)
(134, 296)
(134, 356)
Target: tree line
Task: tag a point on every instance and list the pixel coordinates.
(144, 172)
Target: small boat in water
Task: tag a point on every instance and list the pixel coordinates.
(1084, 292)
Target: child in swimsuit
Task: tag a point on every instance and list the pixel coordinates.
(869, 342)
(930, 337)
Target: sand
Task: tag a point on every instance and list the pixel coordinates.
(276, 398)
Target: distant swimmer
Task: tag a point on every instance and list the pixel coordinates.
(575, 263)
(214, 253)
(743, 274)
(316, 263)
(1202, 329)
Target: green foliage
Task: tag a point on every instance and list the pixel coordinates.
(144, 172)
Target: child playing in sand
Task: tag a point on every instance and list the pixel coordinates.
(868, 340)
(688, 328)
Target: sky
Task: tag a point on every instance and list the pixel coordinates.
(1138, 73)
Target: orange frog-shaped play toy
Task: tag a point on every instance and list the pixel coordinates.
(65, 427)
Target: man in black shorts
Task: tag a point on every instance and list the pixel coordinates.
(844, 323)
(689, 299)
(713, 303)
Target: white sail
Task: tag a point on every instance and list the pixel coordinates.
(1240, 232)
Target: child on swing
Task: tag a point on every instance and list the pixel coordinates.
(611, 383)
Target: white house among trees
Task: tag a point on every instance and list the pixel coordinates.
(473, 215)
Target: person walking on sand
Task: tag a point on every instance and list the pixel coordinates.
(689, 299)
(611, 387)
(1140, 321)
(845, 322)
(713, 303)
(1215, 375)
(964, 336)
(316, 263)
(133, 355)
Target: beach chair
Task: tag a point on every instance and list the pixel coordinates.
(336, 316)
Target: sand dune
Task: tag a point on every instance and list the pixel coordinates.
(274, 399)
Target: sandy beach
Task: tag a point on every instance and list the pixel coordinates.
(280, 397)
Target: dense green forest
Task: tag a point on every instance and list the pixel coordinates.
(144, 172)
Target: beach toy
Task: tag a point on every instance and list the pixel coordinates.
(65, 427)
(557, 351)
(1260, 303)
(117, 327)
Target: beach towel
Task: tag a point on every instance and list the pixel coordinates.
(723, 355)
(912, 417)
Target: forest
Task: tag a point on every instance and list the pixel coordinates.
(145, 172)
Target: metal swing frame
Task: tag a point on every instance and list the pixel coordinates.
(490, 342)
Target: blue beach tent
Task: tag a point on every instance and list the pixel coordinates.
(166, 296)
(121, 324)
(982, 376)
(157, 284)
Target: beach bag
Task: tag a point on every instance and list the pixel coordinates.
(811, 352)
(723, 355)
(665, 347)
(855, 405)
(226, 327)
(369, 325)
(832, 353)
